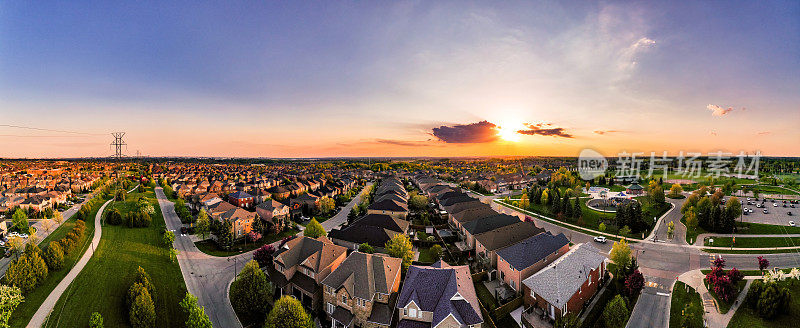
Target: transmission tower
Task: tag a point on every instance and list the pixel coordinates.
(118, 143)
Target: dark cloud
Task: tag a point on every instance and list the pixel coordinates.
(479, 132)
(604, 132)
(538, 129)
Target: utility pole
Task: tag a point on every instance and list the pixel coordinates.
(118, 143)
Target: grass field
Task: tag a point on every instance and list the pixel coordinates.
(749, 272)
(768, 189)
(103, 284)
(210, 247)
(740, 251)
(748, 318)
(425, 255)
(683, 303)
(754, 242)
(34, 299)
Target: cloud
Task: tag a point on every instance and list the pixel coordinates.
(713, 133)
(480, 132)
(534, 129)
(763, 133)
(719, 111)
(604, 132)
(408, 143)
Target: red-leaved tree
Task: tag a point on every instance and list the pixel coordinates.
(762, 263)
(634, 283)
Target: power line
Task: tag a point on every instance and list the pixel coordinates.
(51, 130)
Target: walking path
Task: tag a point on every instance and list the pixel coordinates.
(47, 306)
(711, 314)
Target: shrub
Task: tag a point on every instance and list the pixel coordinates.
(96, 320)
(288, 312)
(114, 217)
(263, 255)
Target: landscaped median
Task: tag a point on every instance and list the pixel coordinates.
(686, 309)
(102, 286)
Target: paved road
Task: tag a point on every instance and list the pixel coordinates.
(47, 306)
(341, 217)
(207, 277)
(649, 309)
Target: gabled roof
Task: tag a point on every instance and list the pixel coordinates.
(363, 275)
(474, 214)
(383, 221)
(270, 205)
(359, 234)
(532, 250)
(312, 253)
(389, 205)
(560, 280)
(507, 235)
(489, 223)
(240, 195)
(444, 290)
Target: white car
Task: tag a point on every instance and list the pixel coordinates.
(791, 223)
(774, 204)
(600, 239)
(24, 235)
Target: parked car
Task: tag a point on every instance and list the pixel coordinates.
(791, 223)
(765, 211)
(600, 239)
(789, 213)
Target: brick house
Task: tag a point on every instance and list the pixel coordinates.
(241, 199)
(487, 243)
(301, 264)
(565, 285)
(274, 212)
(362, 291)
(241, 221)
(523, 259)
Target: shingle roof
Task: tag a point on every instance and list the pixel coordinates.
(531, 250)
(507, 235)
(558, 281)
(363, 275)
(389, 205)
(489, 223)
(443, 290)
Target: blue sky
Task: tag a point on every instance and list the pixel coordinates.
(360, 78)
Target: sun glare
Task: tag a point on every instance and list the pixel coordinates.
(508, 131)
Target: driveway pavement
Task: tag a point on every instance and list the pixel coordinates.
(649, 309)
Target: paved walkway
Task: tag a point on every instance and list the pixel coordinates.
(712, 316)
(47, 306)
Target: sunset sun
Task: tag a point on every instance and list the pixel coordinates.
(508, 131)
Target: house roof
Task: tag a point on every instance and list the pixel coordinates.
(363, 275)
(444, 290)
(532, 250)
(474, 214)
(389, 205)
(270, 205)
(383, 221)
(507, 235)
(560, 280)
(312, 253)
(359, 234)
(489, 223)
(240, 195)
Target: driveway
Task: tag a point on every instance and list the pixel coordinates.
(649, 309)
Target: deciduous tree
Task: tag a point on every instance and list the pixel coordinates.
(251, 292)
(314, 229)
(400, 247)
(286, 313)
(615, 314)
(197, 315)
(620, 254)
(10, 298)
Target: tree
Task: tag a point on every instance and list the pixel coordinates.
(762, 263)
(203, 224)
(95, 320)
(263, 255)
(314, 229)
(524, 203)
(634, 283)
(436, 252)
(197, 317)
(54, 256)
(16, 244)
(286, 313)
(568, 321)
(143, 312)
(10, 298)
(418, 202)
(47, 224)
(400, 247)
(251, 292)
(326, 205)
(675, 191)
(691, 220)
(620, 254)
(601, 227)
(625, 231)
(225, 235)
(773, 301)
(670, 229)
(615, 313)
(20, 220)
(168, 238)
(366, 248)
(57, 217)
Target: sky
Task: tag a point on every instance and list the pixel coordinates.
(398, 78)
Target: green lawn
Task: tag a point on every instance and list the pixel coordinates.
(210, 247)
(425, 255)
(683, 303)
(765, 229)
(103, 284)
(34, 299)
(723, 306)
(754, 242)
(748, 318)
(486, 297)
(768, 189)
(738, 251)
(748, 272)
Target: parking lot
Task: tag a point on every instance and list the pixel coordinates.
(777, 215)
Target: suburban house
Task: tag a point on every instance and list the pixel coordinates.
(389, 207)
(241, 199)
(308, 202)
(274, 212)
(523, 259)
(439, 295)
(362, 291)
(487, 243)
(373, 229)
(476, 227)
(241, 221)
(301, 264)
(564, 286)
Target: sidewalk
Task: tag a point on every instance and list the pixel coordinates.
(712, 316)
(47, 306)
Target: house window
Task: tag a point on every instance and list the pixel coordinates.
(330, 308)
(344, 299)
(412, 313)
